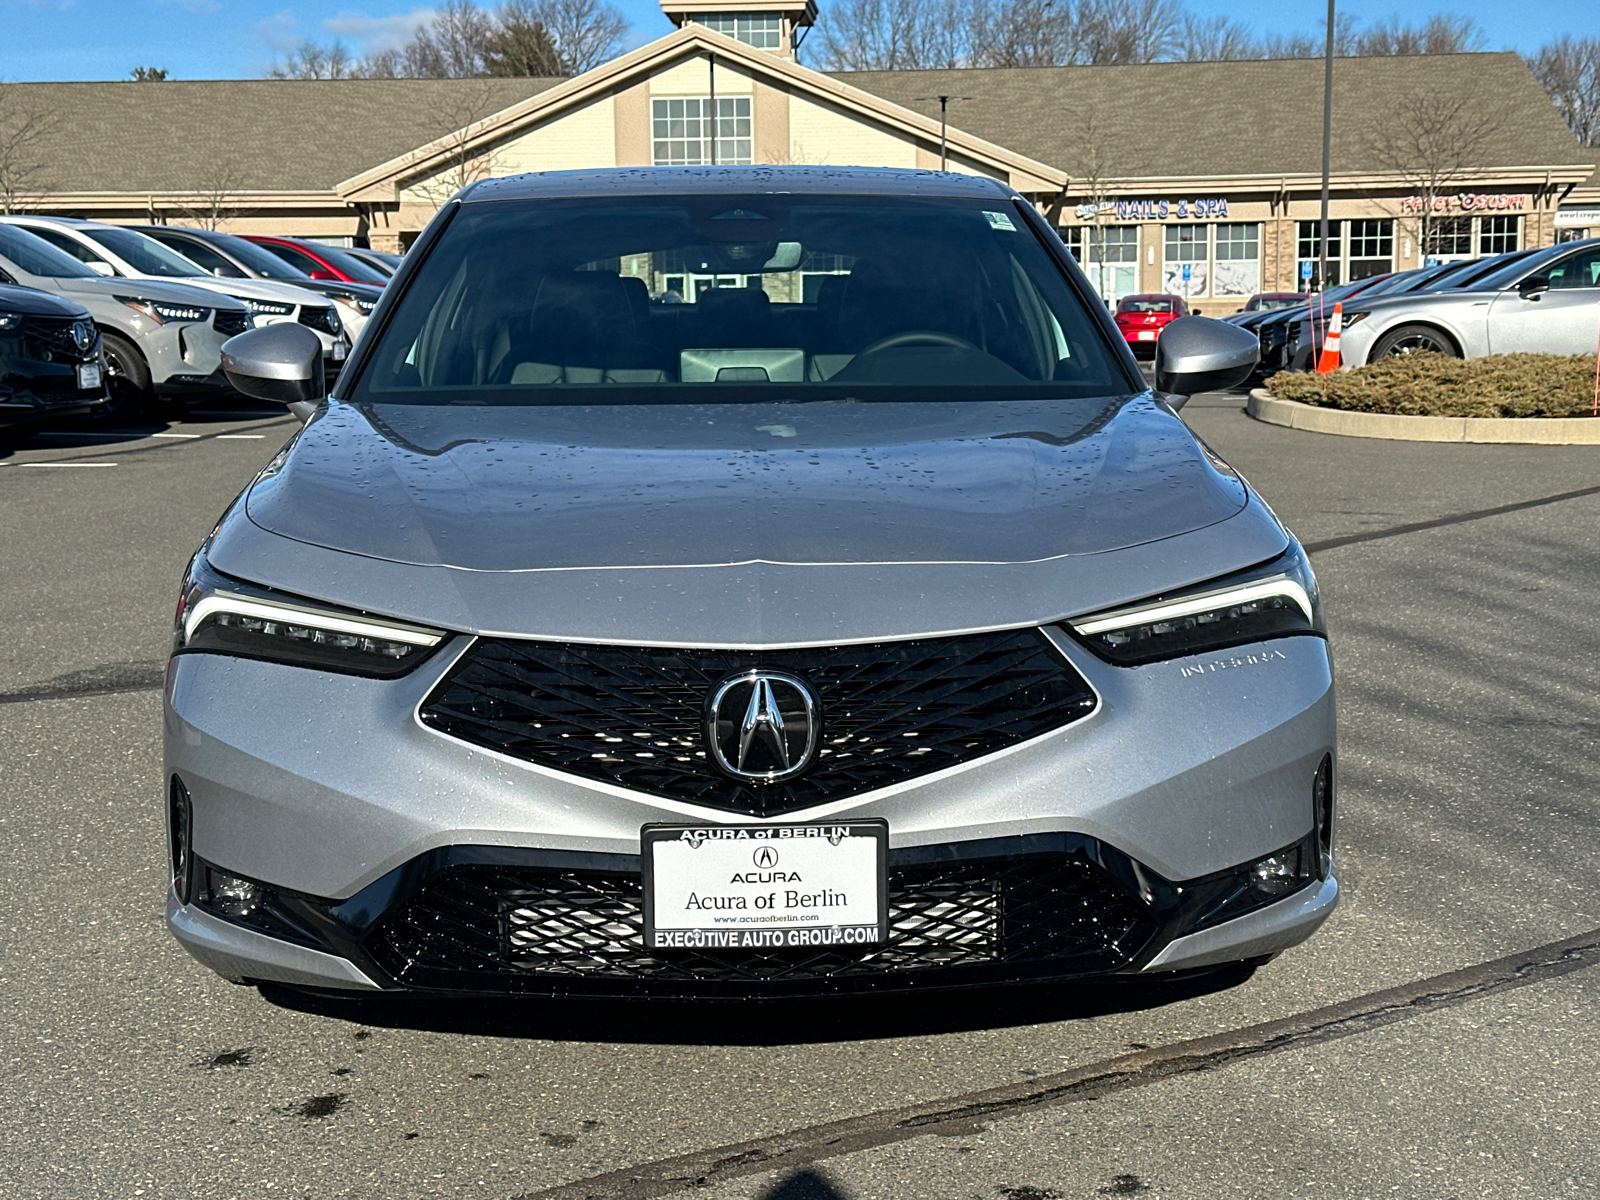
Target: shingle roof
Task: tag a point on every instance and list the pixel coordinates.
(281, 135)
(1229, 118)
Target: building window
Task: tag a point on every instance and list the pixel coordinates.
(1449, 238)
(764, 31)
(1184, 271)
(1238, 255)
(1371, 248)
(1109, 255)
(682, 132)
(1499, 235)
(1308, 244)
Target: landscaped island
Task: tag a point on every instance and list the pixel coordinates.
(1430, 385)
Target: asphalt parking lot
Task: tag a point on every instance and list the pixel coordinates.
(1384, 1057)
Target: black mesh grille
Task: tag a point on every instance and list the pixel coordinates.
(320, 318)
(634, 717)
(229, 323)
(490, 928)
(50, 339)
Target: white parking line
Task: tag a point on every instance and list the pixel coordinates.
(45, 464)
(175, 435)
(240, 437)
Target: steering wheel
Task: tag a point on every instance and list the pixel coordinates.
(917, 337)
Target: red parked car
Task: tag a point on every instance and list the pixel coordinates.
(321, 261)
(1142, 318)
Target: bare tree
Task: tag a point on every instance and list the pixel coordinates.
(1569, 71)
(1132, 31)
(897, 35)
(25, 127)
(1442, 33)
(1217, 40)
(459, 109)
(586, 32)
(1432, 142)
(218, 187)
(1092, 156)
(309, 60)
(520, 45)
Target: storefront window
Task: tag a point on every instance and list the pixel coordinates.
(1109, 255)
(1238, 254)
(1309, 242)
(682, 132)
(1184, 269)
(1371, 248)
(1499, 235)
(1449, 238)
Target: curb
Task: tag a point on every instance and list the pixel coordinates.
(1543, 431)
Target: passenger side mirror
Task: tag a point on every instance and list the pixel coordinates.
(325, 275)
(1533, 287)
(282, 363)
(1198, 354)
(101, 268)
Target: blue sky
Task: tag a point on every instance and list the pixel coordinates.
(221, 39)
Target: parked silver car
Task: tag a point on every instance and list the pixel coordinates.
(1545, 302)
(881, 632)
(162, 341)
(120, 253)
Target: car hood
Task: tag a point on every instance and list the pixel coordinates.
(541, 488)
(149, 289)
(35, 303)
(254, 289)
(743, 525)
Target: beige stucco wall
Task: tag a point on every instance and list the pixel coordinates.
(820, 132)
(692, 77)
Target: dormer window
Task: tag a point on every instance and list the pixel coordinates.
(764, 31)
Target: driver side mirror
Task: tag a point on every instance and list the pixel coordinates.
(1198, 354)
(282, 363)
(101, 268)
(1533, 287)
(325, 275)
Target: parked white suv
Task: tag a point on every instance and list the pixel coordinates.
(163, 341)
(116, 252)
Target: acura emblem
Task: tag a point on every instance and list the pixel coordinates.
(82, 335)
(763, 725)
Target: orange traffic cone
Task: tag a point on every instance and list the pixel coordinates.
(1329, 361)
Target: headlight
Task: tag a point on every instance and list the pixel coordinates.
(219, 615)
(1353, 318)
(363, 305)
(1276, 599)
(265, 308)
(10, 320)
(161, 312)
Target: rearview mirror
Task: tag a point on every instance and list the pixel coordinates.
(1198, 354)
(282, 363)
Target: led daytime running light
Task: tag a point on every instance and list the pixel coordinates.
(1190, 606)
(218, 604)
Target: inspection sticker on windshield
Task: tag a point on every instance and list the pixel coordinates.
(1000, 221)
(739, 887)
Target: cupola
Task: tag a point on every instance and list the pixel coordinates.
(775, 25)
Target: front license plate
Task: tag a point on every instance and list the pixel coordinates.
(88, 376)
(765, 886)
(1147, 335)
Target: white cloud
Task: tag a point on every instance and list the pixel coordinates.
(374, 35)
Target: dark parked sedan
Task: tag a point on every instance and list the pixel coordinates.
(50, 358)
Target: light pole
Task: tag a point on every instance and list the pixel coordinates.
(944, 145)
(1327, 151)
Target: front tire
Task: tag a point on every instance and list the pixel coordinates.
(1414, 339)
(128, 378)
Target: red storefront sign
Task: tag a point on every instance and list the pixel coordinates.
(1466, 202)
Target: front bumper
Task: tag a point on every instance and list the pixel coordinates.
(1186, 771)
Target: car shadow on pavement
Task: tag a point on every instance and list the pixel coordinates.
(118, 428)
(774, 1023)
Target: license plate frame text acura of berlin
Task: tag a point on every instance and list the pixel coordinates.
(771, 887)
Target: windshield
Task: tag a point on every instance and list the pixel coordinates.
(38, 257)
(739, 299)
(1273, 303)
(261, 262)
(351, 265)
(1147, 304)
(144, 254)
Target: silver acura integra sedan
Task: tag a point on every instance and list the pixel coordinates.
(744, 582)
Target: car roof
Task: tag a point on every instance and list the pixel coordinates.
(641, 181)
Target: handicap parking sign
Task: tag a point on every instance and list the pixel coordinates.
(1305, 270)
(1188, 271)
